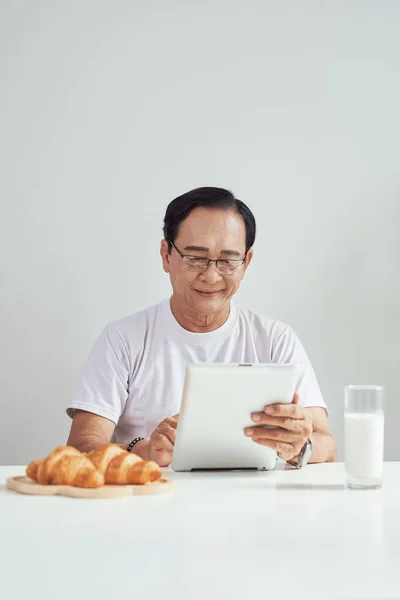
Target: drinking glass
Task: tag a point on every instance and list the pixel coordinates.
(363, 436)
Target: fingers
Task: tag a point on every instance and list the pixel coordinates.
(161, 446)
(278, 439)
(161, 442)
(285, 451)
(161, 456)
(280, 435)
(302, 427)
(282, 427)
(294, 411)
(171, 421)
(169, 431)
(164, 436)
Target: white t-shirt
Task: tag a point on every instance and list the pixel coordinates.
(135, 373)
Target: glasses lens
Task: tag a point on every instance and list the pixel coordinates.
(228, 266)
(195, 262)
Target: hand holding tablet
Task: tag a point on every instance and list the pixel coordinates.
(282, 427)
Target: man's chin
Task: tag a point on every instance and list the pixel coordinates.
(208, 303)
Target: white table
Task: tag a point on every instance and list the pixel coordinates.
(284, 534)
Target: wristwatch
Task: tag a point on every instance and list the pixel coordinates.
(304, 456)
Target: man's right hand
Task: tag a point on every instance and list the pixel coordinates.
(162, 440)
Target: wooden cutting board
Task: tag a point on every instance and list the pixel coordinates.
(25, 485)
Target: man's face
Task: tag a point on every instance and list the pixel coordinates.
(210, 233)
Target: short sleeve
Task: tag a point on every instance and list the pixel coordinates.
(288, 349)
(103, 386)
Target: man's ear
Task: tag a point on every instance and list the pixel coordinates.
(249, 258)
(164, 253)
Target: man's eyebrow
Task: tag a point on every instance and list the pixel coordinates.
(203, 249)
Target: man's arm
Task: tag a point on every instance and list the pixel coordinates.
(88, 431)
(323, 442)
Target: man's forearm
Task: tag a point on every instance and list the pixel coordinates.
(89, 442)
(86, 442)
(324, 447)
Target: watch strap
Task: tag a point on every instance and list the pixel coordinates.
(304, 456)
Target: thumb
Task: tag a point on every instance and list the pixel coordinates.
(296, 398)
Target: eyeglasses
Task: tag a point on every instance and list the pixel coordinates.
(201, 263)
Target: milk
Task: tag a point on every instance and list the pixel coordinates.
(363, 439)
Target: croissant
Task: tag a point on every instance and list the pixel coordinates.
(32, 469)
(144, 472)
(65, 466)
(78, 471)
(47, 466)
(103, 455)
(128, 468)
(107, 464)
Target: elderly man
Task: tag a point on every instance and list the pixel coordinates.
(131, 387)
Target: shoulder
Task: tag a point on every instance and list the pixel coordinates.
(262, 324)
(137, 319)
(273, 339)
(134, 327)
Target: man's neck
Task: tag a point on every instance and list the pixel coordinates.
(197, 322)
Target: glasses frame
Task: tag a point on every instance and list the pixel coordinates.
(239, 262)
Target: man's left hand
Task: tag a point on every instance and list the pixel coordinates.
(288, 428)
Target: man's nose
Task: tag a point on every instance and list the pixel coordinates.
(210, 274)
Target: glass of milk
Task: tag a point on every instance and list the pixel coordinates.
(363, 436)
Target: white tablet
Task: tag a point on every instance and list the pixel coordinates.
(217, 402)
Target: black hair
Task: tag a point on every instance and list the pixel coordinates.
(206, 197)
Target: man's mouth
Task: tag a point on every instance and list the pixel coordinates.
(208, 294)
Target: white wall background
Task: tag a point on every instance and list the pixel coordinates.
(109, 109)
